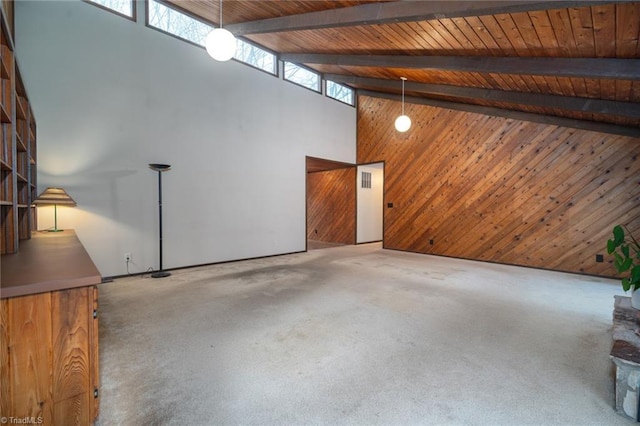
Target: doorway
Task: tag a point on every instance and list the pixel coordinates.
(331, 203)
(370, 202)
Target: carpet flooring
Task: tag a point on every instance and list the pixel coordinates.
(357, 335)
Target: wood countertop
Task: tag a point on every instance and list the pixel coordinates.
(49, 261)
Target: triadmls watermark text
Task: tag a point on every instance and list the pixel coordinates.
(29, 420)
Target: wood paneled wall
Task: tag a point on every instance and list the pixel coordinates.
(331, 206)
(500, 190)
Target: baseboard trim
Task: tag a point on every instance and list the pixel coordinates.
(149, 272)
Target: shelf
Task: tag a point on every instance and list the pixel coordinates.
(7, 61)
(4, 116)
(21, 146)
(18, 147)
(20, 86)
(22, 107)
(4, 71)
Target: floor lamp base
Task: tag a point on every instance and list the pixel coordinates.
(160, 274)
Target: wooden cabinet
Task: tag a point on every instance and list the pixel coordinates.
(49, 332)
(48, 293)
(17, 150)
(51, 344)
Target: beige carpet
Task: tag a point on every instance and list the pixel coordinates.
(357, 335)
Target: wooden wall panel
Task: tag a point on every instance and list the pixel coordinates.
(331, 206)
(501, 190)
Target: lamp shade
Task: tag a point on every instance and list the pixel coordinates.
(57, 196)
(403, 123)
(157, 167)
(221, 44)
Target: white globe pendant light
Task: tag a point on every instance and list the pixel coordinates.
(403, 122)
(220, 43)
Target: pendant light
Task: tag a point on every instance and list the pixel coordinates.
(403, 122)
(220, 43)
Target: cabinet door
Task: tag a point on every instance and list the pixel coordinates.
(5, 383)
(72, 326)
(29, 327)
(49, 356)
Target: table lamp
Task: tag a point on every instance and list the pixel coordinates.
(54, 196)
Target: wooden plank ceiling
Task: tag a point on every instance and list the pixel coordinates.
(568, 61)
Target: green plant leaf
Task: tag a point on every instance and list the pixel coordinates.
(618, 235)
(635, 274)
(627, 259)
(618, 261)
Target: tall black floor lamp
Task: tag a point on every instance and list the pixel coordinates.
(160, 168)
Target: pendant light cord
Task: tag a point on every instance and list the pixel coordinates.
(403, 79)
(220, 13)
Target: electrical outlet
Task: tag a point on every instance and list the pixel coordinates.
(127, 257)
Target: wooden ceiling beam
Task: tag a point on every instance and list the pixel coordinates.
(516, 115)
(607, 68)
(399, 11)
(599, 106)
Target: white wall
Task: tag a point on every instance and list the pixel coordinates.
(370, 204)
(111, 96)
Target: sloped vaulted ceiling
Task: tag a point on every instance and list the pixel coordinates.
(567, 62)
